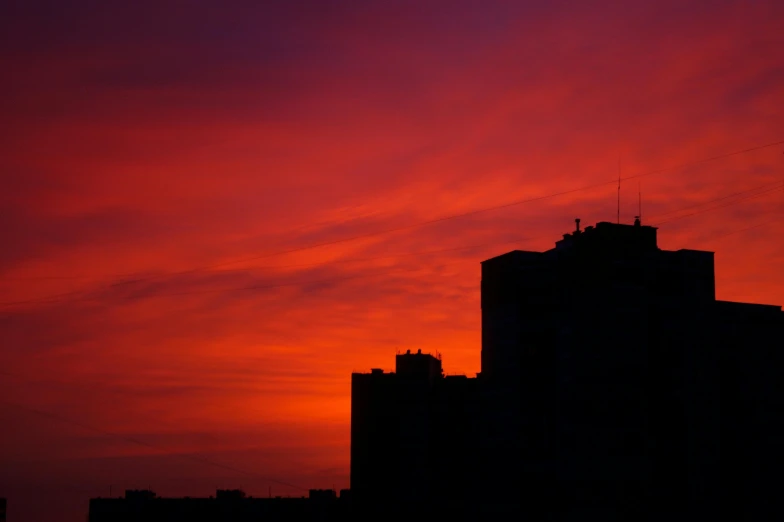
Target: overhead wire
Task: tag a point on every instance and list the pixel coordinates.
(202, 460)
(498, 207)
(732, 232)
(97, 293)
(777, 184)
(89, 427)
(80, 294)
(756, 195)
(456, 215)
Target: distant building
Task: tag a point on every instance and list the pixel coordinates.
(412, 438)
(227, 505)
(2, 509)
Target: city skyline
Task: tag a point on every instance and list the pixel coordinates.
(167, 317)
(614, 386)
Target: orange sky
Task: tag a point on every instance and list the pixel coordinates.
(156, 159)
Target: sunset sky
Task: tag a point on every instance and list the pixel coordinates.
(213, 212)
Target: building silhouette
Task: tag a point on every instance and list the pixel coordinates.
(613, 386)
(2, 509)
(227, 505)
(412, 439)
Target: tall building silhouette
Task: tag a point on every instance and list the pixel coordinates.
(613, 386)
(2, 509)
(614, 380)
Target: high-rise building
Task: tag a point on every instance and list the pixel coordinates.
(617, 387)
(2, 509)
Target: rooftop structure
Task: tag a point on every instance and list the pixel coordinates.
(234, 505)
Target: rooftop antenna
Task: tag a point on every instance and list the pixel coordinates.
(638, 217)
(619, 190)
(639, 201)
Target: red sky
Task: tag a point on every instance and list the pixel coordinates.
(156, 158)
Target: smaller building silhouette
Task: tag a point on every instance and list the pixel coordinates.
(413, 441)
(227, 505)
(2, 509)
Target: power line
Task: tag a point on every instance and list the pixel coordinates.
(727, 204)
(731, 232)
(777, 184)
(709, 238)
(748, 194)
(202, 460)
(454, 216)
(498, 207)
(706, 160)
(82, 296)
(51, 415)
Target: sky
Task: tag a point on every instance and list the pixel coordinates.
(213, 212)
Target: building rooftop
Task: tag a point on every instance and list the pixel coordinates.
(610, 236)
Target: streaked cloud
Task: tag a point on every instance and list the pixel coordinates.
(166, 170)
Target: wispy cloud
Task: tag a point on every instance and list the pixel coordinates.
(167, 171)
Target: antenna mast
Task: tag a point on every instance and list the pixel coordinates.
(639, 200)
(619, 190)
